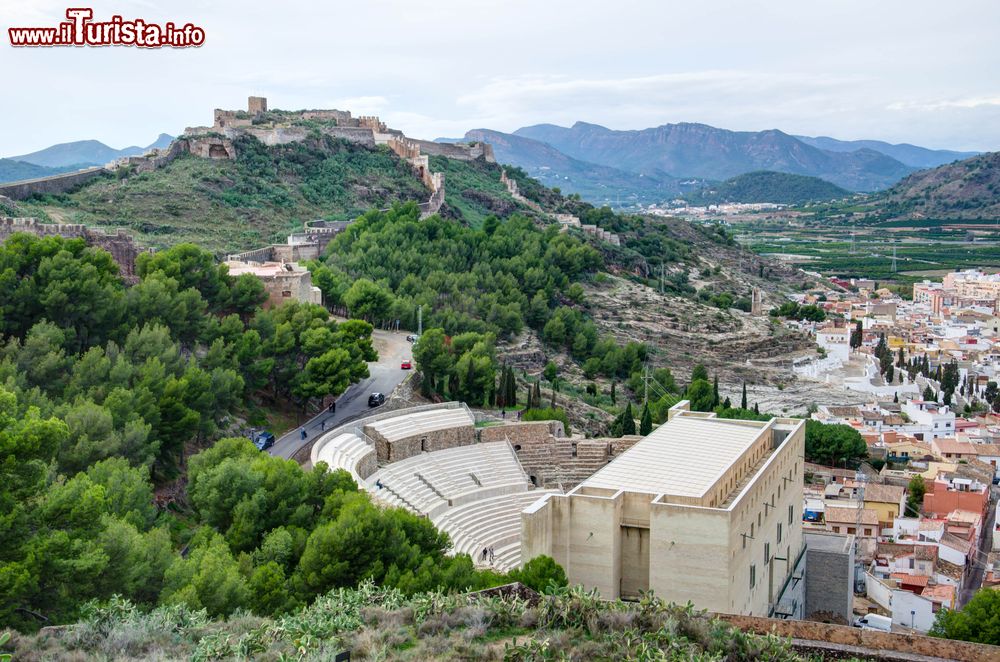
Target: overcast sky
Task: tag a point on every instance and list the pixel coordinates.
(919, 71)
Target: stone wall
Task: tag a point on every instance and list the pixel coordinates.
(526, 432)
(458, 151)
(400, 449)
(119, 244)
(49, 185)
(874, 643)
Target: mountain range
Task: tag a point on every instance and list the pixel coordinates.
(83, 153)
(605, 165)
(592, 181)
(911, 155)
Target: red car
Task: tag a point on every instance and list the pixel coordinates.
(406, 365)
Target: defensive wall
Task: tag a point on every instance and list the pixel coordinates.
(120, 244)
(49, 185)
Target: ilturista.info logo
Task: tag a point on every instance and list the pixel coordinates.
(80, 29)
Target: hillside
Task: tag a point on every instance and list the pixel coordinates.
(229, 206)
(12, 171)
(767, 186)
(594, 183)
(911, 155)
(698, 150)
(966, 189)
(376, 624)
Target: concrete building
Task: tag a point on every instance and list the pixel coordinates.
(702, 509)
(283, 281)
(829, 577)
(938, 420)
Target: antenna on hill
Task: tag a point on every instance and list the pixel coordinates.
(420, 320)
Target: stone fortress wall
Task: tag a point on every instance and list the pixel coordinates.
(122, 247)
(565, 220)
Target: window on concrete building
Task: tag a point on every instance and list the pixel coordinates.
(779, 531)
(836, 529)
(868, 532)
(751, 529)
(753, 575)
(767, 552)
(851, 530)
(791, 514)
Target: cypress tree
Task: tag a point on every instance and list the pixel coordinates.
(536, 398)
(628, 422)
(756, 409)
(646, 424)
(715, 392)
(613, 392)
(743, 400)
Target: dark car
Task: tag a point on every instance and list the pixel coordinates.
(376, 399)
(264, 441)
(411, 338)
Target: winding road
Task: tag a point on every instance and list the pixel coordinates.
(385, 375)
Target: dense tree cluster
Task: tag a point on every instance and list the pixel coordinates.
(103, 387)
(463, 367)
(388, 264)
(834, 444)
(795, 311)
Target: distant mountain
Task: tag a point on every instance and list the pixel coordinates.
(698, 150)
(966, 189)
(13, 171)
(911, 155)
(768, 186)
(86, 152)
(595, 183)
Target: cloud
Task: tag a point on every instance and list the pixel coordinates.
(969, 102)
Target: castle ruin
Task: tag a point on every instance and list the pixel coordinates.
(120, 244)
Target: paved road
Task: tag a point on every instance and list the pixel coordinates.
(385, 376)
(975, 577)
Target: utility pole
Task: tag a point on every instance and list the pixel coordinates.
(420, 320)
(645, 381)
(661, 277)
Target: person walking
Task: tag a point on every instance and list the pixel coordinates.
(302, 432)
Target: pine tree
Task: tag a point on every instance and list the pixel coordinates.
(928, 394)
(613, 392)
(646, 423)
(743, 400)
(628, 422)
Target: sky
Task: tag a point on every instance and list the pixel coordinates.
(918, 71)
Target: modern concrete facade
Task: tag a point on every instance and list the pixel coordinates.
(702, 509)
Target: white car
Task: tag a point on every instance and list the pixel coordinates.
(874, 622)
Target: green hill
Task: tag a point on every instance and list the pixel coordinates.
(228, 206)
(14, 171)
(768, 186)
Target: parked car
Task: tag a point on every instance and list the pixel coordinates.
(411, 338)
(406, 365)
(376, 399)
(264, 441)
(874, 622)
